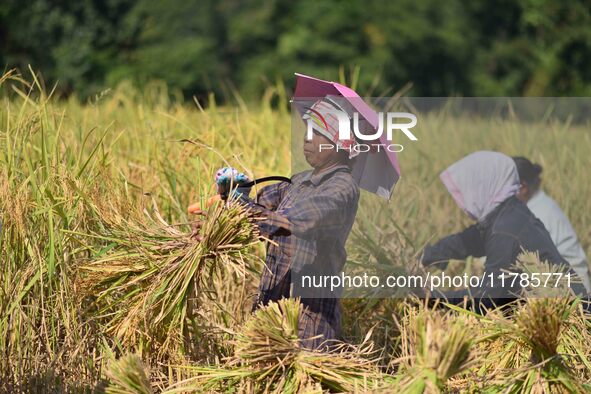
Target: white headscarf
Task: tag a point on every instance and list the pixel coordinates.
(481, 181)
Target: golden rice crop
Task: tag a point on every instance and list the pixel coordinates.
(531, 356)
(531, 347)
(91, 270)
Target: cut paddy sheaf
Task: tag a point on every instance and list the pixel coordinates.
(531, 350)
(150, 277)
(436, 346)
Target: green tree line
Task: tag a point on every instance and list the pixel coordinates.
(472, 48)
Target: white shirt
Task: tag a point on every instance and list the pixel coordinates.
(562, 234)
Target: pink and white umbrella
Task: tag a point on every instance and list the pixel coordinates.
(376, 172)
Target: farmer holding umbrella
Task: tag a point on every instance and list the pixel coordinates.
(308, 221)
(308, 218)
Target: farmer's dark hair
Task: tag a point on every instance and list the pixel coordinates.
(529, 173)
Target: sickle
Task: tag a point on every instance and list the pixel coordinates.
(265, 179)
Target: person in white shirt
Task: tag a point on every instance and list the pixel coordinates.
(547, 210)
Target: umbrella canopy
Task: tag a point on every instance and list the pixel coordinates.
(376, 172)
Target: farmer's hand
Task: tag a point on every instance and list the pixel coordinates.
(195, 230)
(198, 209)
(195, 209)
(228, 178)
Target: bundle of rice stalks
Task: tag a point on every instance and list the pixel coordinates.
(149, 274)
(535, 362)
(544, 279)
(269, 358)
(574, 343)
(435, 347)
(539, 325)
(536, 345)
(127, 375)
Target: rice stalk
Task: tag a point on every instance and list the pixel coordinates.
(148, 280)
(537, 332)
(530, 352)
(435, 347)
(127, 375)
(268, 357)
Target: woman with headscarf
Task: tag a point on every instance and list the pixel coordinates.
(484, 184)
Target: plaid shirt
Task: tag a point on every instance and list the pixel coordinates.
(307, 222)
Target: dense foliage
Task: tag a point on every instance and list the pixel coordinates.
(524, 47)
